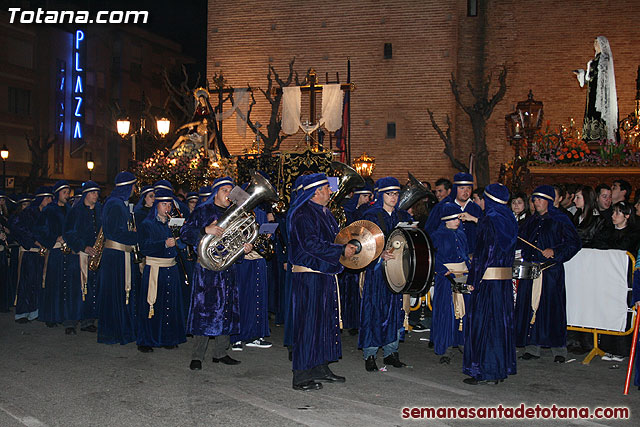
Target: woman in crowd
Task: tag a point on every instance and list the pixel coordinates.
(590, 225)
(520, 206)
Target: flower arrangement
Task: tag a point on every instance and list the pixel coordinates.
(185, 167)
(564, 146)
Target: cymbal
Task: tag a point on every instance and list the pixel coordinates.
(370, 239)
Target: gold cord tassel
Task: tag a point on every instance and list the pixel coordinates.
(127, 298)
(533, 318)
(150, 311)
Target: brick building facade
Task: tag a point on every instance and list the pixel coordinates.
(539, 41)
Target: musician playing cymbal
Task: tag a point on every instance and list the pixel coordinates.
(315, 263)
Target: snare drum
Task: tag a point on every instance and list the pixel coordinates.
(526, 269)
(412, 269)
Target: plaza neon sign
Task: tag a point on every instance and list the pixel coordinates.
(78, 86)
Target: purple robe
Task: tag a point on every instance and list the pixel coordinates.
(316, 329)
(213, 310)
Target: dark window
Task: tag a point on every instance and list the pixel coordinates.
(19, 101)
(391, 130)
(135, 73)
(388, 51)
(472, 7)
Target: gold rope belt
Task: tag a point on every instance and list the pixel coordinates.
(58, 245)
(303, 269)
(111, 244)
(155, 264)
(498, 273)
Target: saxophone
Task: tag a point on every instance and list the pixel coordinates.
(94, 261)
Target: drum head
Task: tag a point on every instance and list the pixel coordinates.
(412, 269)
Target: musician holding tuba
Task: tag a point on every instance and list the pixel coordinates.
(314, 257)
(60, 300)
(81, 230)
(382, 315)
(213, 310)
(117, 278)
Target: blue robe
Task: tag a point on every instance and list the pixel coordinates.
(253, 290)
(213, 309)
(61, 298)
(490, 350)
(635, 297)
(116, 315)
(30, 264)
(451, 247)
(316, 326)
(469, 228)
(81, 230)
(550, 327)
(166, 327)
(381, 313)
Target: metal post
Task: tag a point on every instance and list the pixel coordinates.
(4, 174)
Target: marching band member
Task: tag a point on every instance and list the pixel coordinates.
(30, 263)
(213, 310)
(490, 350)
(204, 194)
(451, 259)
(315, 261)
(117, 278)
(160, 308)
(22, 201)
(58, 301)
(461, 196)
(381, 313)
(192, 201)
(82, 227)
(5, 284)
(145, 203)
(540, 313)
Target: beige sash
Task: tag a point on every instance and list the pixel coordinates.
(303, 269)
(498, 273)
(253, 255)
(154, 265)
(110, 244)
(458, 300)
(58, 245)
(84, 272)
(536, 291)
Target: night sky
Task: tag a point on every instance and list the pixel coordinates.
(183, 21)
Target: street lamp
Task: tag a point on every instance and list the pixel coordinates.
(90, 166)
(123, 126)
(4, 153)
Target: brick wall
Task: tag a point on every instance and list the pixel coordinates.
(540, 41)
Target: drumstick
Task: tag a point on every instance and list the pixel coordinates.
(530, 244)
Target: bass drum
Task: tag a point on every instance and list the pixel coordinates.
(412, 269)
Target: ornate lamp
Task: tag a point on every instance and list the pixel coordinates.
(365, 165)
(123, 125)
(4, 153)
(530, 115)
(90, 166)
(163, 126)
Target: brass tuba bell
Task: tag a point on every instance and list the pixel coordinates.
(413, 192)
(348, 181)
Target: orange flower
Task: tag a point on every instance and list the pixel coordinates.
(565, 149)
(587, 150)
(568, 155)
(581, 154)
(573, 152)
(561, 158)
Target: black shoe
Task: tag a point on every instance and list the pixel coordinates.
(331, 378)
(308, 386)
(394, 360)
(50, 324)
(170, 347)
(90, 328)
(70, 331)
(528, 356)
(559, 359)
(290, 356)
(430, 345)
(226, 360)
(473, 381)
(195, 365)
(22, 320)
(353, 331)
(445, 360)
(370, 364)
(144, 349)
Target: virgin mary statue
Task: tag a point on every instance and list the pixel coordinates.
(601, 111)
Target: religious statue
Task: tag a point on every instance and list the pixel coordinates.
(601, 111)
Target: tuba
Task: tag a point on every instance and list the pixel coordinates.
(413, 192)
(348, 181)
(218, 253)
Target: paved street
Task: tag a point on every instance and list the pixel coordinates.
(50, 379)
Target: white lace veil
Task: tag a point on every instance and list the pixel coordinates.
(606, 96)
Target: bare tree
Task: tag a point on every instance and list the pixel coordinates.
(39, 147)
(479, 112)
(180, 102)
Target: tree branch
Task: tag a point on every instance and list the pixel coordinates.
(448, 143)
